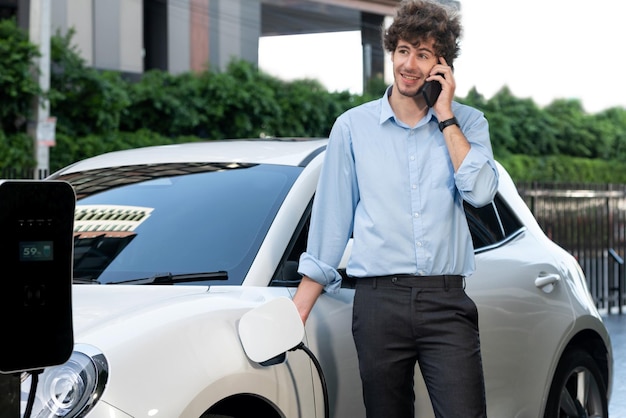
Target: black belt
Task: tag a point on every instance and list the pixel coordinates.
(445, 281)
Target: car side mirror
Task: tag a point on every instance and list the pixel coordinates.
(268, 331)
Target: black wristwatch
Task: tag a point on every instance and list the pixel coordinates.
(444, 124)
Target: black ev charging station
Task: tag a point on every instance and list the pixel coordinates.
(36, 250)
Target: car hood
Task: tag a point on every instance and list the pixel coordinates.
(166, 345)
(96, 307)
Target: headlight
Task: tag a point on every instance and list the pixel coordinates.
(70, 389)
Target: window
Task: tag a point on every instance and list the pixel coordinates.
(491, 224)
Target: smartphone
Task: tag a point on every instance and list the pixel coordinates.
(431, 91)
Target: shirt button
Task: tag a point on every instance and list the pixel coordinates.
(419, 243)
(416, 215)
(414, 186)
(412, 158)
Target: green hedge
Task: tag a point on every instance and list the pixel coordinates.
(555, 168)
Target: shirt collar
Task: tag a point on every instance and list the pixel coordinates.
(386, 112)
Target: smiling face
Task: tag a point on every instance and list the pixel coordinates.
(412, 65)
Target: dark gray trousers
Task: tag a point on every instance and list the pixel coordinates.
(401, 320)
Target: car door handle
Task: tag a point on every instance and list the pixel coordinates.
(544, 281)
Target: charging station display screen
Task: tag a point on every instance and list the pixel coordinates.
(36, 251)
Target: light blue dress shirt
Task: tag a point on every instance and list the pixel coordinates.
(393, 188)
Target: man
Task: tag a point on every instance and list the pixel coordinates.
(395, 174)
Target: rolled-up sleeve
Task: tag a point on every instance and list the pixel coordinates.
(478, 186)
(320, 272)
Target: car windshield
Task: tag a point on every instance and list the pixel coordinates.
(174, 220)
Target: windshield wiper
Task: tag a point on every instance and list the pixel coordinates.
(169, 278)
(85, 280)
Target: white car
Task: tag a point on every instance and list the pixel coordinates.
(174, 245)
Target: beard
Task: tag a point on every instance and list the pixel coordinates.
(410, 92)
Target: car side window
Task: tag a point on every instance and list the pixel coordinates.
(287, 272)
(492, 224)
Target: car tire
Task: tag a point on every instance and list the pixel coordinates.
(577, 389)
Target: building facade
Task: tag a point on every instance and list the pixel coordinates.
(134, 36)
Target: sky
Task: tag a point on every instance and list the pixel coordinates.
(540, 49)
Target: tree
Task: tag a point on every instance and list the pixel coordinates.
(528, 129)
(610, 131)
(18, 84)
(84, 100)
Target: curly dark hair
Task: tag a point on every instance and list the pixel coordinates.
(419, 20)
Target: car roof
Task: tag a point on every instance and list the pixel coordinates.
(283, 151)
